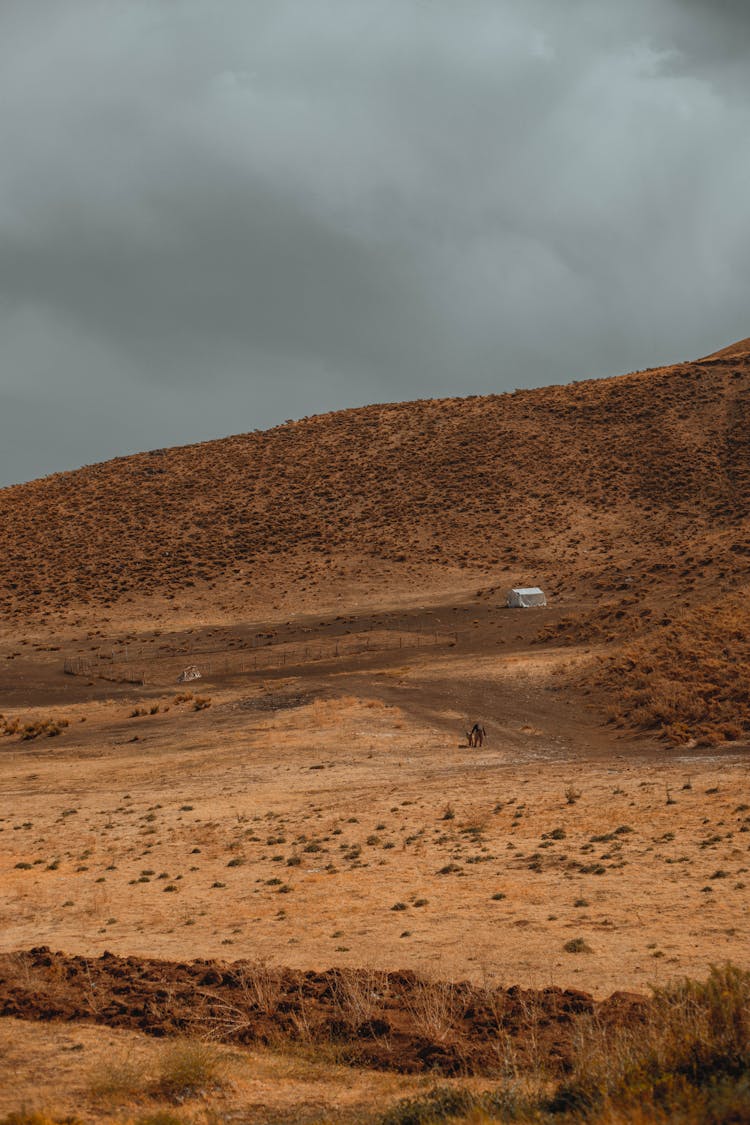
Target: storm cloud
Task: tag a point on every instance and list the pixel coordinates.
(216, 215)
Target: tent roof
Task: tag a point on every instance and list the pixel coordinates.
(527, 590)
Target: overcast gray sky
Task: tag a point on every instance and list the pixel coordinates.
(218, 214)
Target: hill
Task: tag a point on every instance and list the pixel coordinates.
(237, 683)
(638, 483)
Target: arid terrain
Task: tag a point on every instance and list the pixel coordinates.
(351, 889)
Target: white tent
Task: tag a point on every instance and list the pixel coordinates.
(525, 596)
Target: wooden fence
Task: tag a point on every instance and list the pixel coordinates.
(118, 667)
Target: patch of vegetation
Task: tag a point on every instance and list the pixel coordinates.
(686, 679)
(686, 1061)
(577, 945)
(454, 1104)
(188, 1067)
(689, 1062)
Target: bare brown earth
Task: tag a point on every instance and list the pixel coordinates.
(328, 812)
(389, 1021)
(310, 804)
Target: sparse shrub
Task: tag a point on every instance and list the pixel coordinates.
(116, 1078)
(688, 1060)
(687, 679)
(577, 945)
(448, 1104)
(358, 995)
(188, 1067)
(159, 1117)
(36, 1117)
(434, 1007)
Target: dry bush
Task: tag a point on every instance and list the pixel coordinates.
(434, 1008)
(690, 1056)
(457, 1105)
(117, 1078)
(260, 988)
(688, 679)
(359, 994)
(37, 1117)
(188, 1067)
(27, 732)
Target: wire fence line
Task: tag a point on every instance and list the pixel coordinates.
(166, 667)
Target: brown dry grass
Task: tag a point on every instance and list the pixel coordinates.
(72, 1072)
(689, 679)
(299, 818)
(290, 838)
(637, 482)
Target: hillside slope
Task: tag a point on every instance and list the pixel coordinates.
(610, 482)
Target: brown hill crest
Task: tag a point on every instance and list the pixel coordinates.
(609, 483)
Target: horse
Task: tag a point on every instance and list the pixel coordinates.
(476, 735)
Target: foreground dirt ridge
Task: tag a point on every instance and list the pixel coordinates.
(387, 1020)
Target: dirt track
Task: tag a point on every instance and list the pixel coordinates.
(392, 1021)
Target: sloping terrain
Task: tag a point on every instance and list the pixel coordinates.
(638, 483)
(311, 801)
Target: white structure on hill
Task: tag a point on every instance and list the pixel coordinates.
(525, 596)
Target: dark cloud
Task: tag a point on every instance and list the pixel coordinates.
(210, 224)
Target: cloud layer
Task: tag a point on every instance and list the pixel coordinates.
(214, 217)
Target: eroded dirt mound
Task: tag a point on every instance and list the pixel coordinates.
(387, 1020)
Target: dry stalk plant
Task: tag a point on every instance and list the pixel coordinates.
(302, 1019)
(435, 1007)
(359, 995)
(259, 991)
(116, 1078)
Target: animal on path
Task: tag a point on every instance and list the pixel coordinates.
(476, 735)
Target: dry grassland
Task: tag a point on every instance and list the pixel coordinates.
(93, 1074)
(345, 832)
(311, 801)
